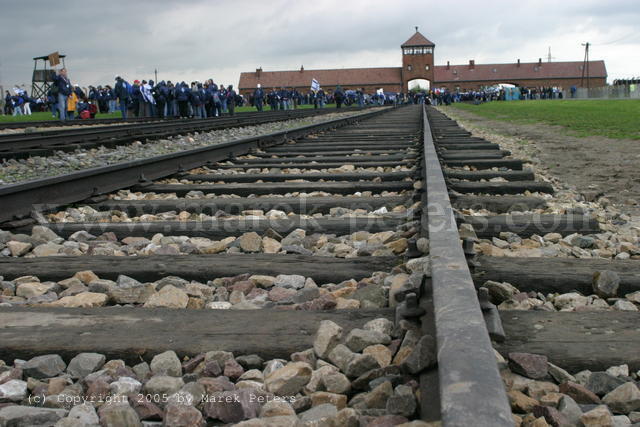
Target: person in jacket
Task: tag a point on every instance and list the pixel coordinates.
(72, 103)
(63, 89)
(121, 92)
(8, 104)
(136, 97)
(51, 102)
(26, 103)
(231, 100)
(182, 95)
(273, 99)
(197, 101)
(258, 97)
(338, 96)
(161, 94)
(16, 102)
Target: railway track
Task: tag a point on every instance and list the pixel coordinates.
(93, 122)
(47, 142)
(342, 238)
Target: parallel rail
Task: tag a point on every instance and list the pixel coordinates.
(18, 200)
(43, 142)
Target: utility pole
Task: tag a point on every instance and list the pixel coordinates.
(549, 57)
(585, 64)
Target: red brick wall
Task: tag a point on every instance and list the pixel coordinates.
(418, 69)
(563, 83)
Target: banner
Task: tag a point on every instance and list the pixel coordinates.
(315, 86)
(54, 59)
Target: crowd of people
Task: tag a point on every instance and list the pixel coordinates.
(209, 99)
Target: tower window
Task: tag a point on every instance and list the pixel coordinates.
(426, 67)
(409, 67)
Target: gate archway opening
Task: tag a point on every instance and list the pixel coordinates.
(419, 85)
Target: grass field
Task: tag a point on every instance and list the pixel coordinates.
(47, 115)
(609, 118)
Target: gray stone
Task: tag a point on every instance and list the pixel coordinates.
(602, 383)
(125, 385)
(327, 337)
(142, 370)
(500, 291)
(320, 415)
(233, 406)
(84, 364)
(423, 355)
(102, 286)
(46, 366)
(294, 281)
(127, 282)
(378, 397)
(341, 356)
(584, 242)
(118, 414)
(358, 339)
(183, 415)
(623, 399)
(166, 363)
(527, 364)
(336, 382)
(382, 325)
(289, 380)
(605, 283)
(251, 361)
(13, 391)
(403, 402)
(359, 364)
(84, 413)
(373, 294)
(29, 416)
(42, 234)
(130, 294)
(162, 384)
(570, 409)
(559, 374)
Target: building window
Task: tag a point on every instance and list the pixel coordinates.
(409, 67)
(428, 50)
(426, 67)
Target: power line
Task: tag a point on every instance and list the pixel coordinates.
(620, 39)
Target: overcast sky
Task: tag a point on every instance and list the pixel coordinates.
(197, 39)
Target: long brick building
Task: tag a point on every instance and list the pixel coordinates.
(418, 63)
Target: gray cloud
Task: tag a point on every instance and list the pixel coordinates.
(199, 39)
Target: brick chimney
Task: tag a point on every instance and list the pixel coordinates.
(472, 64)
(539, 62)
(518, 62)
(448, 66)
(302, 68)
(258, 71)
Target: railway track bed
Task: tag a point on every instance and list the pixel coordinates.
(324, 267)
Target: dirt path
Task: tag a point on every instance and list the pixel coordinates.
(595, 166)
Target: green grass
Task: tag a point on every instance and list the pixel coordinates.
(618, 119)
(116, 115)
(47, 116)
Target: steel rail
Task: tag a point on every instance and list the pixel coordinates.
(471, 389)
(19, 200)
(132, 120)
(11, 143)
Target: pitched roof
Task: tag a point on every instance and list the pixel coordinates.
(326, 78)
(526, 70)
(417, 40)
